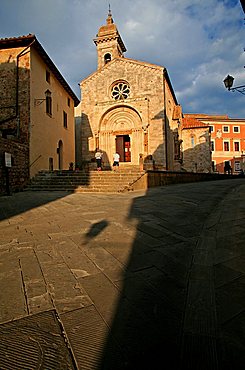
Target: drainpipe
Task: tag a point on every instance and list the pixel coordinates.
(165, 121)
(16, 115)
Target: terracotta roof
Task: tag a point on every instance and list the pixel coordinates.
(31, 40)
(191, 122)
(202, 115)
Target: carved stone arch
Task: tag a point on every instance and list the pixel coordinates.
(121, 121)
(120, 118)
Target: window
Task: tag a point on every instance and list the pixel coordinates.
(237, 166)
(236, 129)
(68, 102)
(107, 58)
(120, 91)
(64, 119)
(226, 129)
(226, 146)
(236, 146)
(192, 141)
(48, 102)
(212, 145)
(211, 128)
(48, 76)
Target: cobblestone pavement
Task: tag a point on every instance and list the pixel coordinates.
(151, 280)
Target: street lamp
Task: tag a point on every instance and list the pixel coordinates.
(228, 81)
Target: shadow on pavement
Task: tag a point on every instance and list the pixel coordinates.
(96, 229)
(166, 314)
(26, 201)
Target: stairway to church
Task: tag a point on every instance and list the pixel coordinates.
(86, 181)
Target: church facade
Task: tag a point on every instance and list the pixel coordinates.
(129, 107)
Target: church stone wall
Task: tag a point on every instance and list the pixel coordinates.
(146, 98)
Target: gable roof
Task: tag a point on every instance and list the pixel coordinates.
(133, 61)
(31, 40)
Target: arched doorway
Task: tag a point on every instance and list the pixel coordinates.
(121, 130)
(60, 155)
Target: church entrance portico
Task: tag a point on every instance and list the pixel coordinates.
(120, 130)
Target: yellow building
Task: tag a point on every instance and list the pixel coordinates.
(36, 110)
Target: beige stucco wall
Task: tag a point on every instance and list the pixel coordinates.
(46, 131)
(142, 112)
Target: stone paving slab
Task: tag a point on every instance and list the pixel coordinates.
(136, 279)
(34, 342)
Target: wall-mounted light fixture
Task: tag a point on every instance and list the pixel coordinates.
(38, 102)
(228, 82)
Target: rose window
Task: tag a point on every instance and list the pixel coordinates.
(120, 91)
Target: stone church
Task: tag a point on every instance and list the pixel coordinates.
(129, 107)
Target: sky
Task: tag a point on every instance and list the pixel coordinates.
(198, 42)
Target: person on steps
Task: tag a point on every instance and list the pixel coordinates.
(116, 158)
(98, 158)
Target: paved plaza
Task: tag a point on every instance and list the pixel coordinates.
(141, 280)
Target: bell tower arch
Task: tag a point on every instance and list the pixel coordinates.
(108, 42)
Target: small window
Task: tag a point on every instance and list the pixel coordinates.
(236, 129)
(64, 119)
(192, 141)
(107, 58)
(226, 129)
(68, 102)
(48, 76)
(237, 166)
(212, 145)
(48, 102)
(211, 128)
(226, 146)
(236, 146)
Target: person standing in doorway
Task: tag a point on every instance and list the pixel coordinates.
(98, 158)
(116, 158)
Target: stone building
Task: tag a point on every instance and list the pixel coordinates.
(36, 111)
(127, 106)
(196, 148)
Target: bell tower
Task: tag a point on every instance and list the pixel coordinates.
(108, 42)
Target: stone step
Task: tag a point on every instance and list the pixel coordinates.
(85, 180)
(81, 181)
(87, 174)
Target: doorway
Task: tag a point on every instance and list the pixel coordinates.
(60, 154)
(123, 147)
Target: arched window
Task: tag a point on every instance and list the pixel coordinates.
(107, 58)
(48, 102)
(192, 141)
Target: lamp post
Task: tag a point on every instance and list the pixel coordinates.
(228, 82)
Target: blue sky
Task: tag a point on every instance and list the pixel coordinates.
(199, 42)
